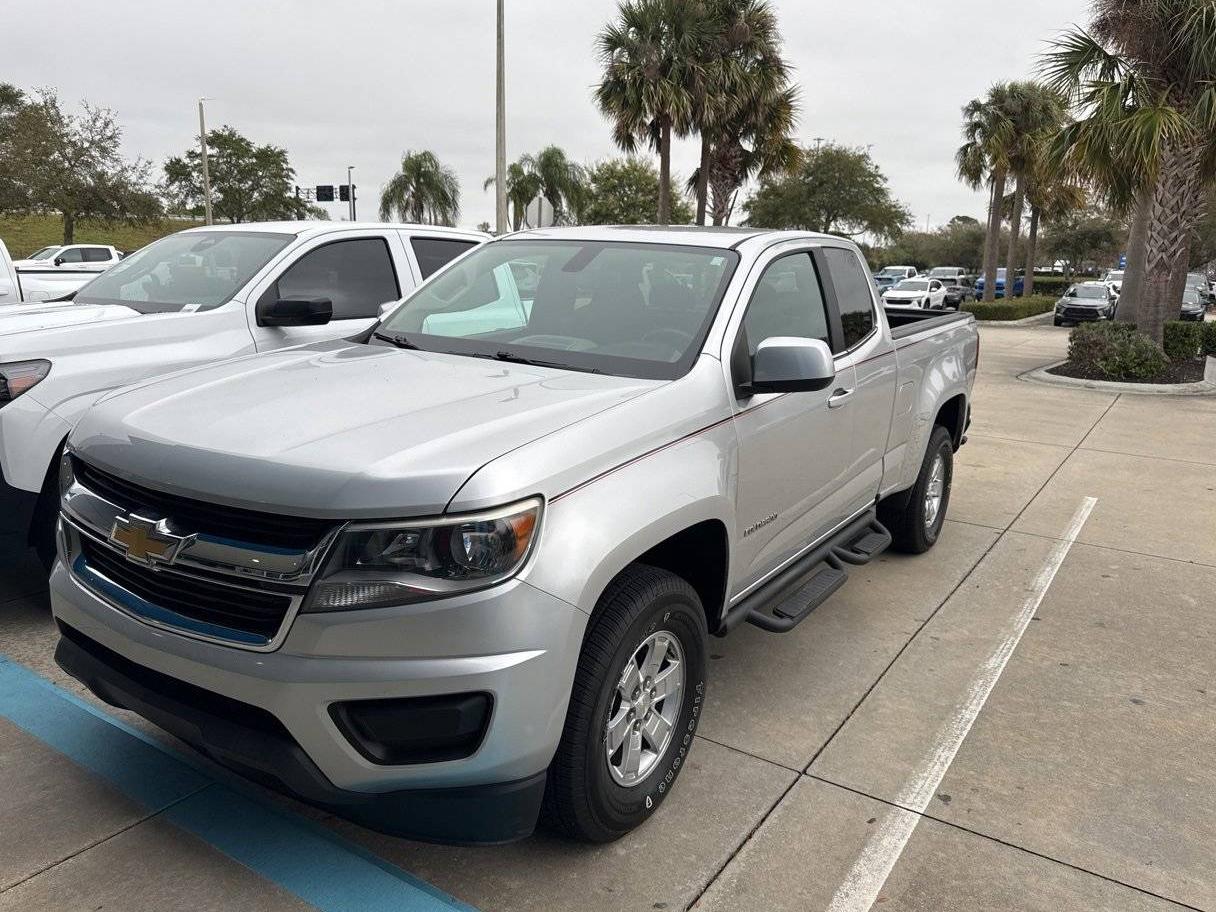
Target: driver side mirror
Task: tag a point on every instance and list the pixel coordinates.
(296, 312)
(59, 261)
(784, 364)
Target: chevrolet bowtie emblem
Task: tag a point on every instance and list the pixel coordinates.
(148, 541)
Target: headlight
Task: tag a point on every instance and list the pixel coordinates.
(381, 565)
(18, 377)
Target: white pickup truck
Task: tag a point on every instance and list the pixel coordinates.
(195, 297)
(53, 272)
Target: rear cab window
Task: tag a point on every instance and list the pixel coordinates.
(853, 295)
(433, 254)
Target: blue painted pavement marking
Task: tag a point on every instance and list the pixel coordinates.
(300, 855)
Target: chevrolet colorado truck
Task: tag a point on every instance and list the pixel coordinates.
(195, 297)
(462, 568)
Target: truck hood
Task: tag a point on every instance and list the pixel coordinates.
(336, 429)
(15, 318)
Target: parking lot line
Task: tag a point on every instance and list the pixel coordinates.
(865, 879)
(298, 854)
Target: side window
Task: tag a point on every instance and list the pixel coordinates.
(70, 255)
(435, 253)
(788, 301)
(357, 276)
(853, 294)
(96, 255)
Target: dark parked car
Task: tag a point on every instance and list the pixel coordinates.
(1086, 301)
(1194, 306)
(959, 293)
(1018, 285)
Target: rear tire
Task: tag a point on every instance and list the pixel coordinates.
(589, 794)
(915, 520)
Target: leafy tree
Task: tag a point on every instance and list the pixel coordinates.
(836, 190)
(249, 183)
(69, 163)
(625, 191)
(652, 60)
(1083, 237)
(423, 191)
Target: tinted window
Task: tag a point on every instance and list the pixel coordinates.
(853, 295)
(96, 255)
(788, 301)
(357, 276)
(71, 255)
(435, 253)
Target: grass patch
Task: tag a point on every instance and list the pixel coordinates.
(23, 234)
(1015, 309)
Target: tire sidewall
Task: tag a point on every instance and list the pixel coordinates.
(939, 444)
(621, 808)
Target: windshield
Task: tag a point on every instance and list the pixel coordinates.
(1091, 291)
(638, 310)
(912, 285)
(1191, 296)
(1114, 277)
(944, 272)
(44, 254)
(897, 271)
(185, 272)
(1196, 280)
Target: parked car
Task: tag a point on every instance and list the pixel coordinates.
(192, 298)
(73, 257)
(959, 293)
(921, 292)
(1194, 305)
(24, 286)
(1018, 285)
(443, 574)
(1199, 282)
(882, 282)
(1114, 278)
(1086, 301)
(898, 273)
(949, 275)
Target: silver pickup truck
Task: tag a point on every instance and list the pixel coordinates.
(462, 568)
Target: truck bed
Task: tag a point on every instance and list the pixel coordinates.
(907, 321)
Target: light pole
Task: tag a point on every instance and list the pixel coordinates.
(202, 140)
(500, 150)
(350, 190)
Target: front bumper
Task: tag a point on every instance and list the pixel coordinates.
(267, 716)
(1082, 314)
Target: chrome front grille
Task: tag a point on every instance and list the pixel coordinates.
(231, 580)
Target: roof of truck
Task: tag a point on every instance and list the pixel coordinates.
(320, 226)
(687, 235)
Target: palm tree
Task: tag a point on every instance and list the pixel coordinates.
(523, 186)
(423, 191)
(560, 180)
(984, 158)
(755, 142)
(743, 78)
(1143, 76)
(652, 59)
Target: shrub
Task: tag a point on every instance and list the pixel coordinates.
(1182, 340)
(1116, 351)
(1005, 309)
(1209, 339)
(1051, 285)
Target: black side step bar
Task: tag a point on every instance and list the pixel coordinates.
(789, 598)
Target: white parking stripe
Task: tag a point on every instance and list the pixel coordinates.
(861, 886)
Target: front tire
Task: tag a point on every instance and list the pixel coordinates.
(915, 522)
(634, 707)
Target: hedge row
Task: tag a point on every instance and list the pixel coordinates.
(1182, 340)
(1115, 351)
(1005, 309)
(1209, 339)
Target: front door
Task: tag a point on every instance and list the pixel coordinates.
(794, 448)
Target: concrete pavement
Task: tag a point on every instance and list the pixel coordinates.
(1084, 781)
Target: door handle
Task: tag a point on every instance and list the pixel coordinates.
(839, 398)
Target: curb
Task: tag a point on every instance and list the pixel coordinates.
(1044, 318)
(1204, 387)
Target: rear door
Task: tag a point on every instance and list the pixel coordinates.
(357, 271)
(795, 449)
(868, 351)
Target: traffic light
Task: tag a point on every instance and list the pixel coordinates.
(344, 192)
(325, 193)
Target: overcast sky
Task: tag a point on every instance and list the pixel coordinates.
(358, 82)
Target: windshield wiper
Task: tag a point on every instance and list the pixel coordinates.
(399, 341)
(534, 362)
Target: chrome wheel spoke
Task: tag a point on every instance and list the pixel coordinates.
(631, 679)
(618, 728)
(656, 729)
(655, 657)
(668, 682)
(631, 758)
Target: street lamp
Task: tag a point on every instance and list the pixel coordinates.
(500, 150)
(202, 139)
(350, 190)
